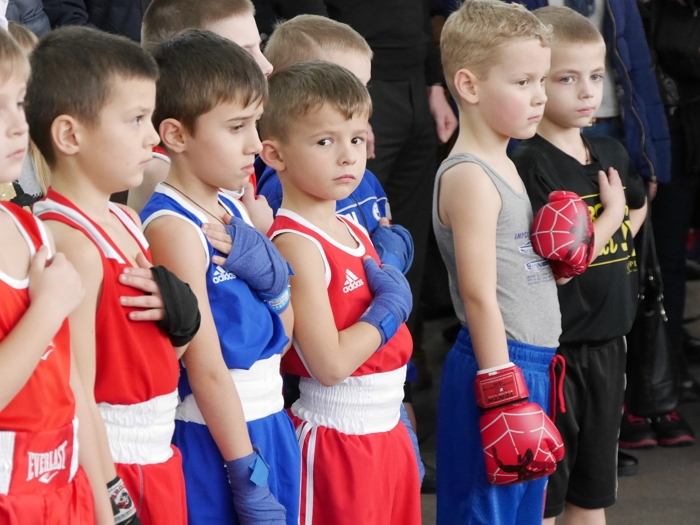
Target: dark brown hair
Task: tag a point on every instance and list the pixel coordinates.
(304, 87)
(73, 71)
(198, 71)
(166, 18)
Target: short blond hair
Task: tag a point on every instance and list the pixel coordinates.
(13, 60)
(303, 88)
(568, 26)
(312, 37)
(24, 37)
(166, 18)
(472, 34)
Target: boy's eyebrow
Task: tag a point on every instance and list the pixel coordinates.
(242, 117)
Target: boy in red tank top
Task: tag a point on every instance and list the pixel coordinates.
(351, 346)
(90, 102)
(42, 481)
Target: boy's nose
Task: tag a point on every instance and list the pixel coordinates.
(253, 144)
(18, 125)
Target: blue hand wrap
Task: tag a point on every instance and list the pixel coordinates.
(392, 299)
(403, 417)
(394, 246)
(251, 496)
(255, 259)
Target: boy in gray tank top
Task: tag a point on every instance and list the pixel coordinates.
(495, 385)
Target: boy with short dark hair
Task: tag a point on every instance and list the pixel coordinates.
(231, 19)
(210, 95)
(89, 104)
(351, 345)
(599, 306)
(490, 437)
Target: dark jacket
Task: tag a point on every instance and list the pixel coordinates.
(120, 17)
(646, 129)
(30, 14)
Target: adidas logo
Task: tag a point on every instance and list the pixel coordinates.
(221, 275)
(352, 281)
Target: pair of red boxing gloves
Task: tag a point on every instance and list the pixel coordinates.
(520, 442)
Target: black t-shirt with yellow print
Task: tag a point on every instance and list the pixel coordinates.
(600, 304)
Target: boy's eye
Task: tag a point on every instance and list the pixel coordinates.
(324, 142)
(597, 77)
(137, 120)
(21, 104)
(566, 80)
(237, 128)
(358, 140)
(523, 82)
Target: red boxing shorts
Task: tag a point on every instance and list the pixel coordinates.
(158, 490)
(362, 470)
(40, 481)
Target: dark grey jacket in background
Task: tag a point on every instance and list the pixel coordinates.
(120, 17)
(29, 13)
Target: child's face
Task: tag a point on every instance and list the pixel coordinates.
(117, 149)
(13, 127)
(222, 150)
(575, 84)
(242, 30)
(511, 98)
(357, 63)
(326, 153)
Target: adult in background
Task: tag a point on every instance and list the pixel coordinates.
(120, 17)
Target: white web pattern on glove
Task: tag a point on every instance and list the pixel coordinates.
(558, 215)
(540, 455)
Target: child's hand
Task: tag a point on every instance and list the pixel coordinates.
(392, 298)
(258, 209)
(151, 301)
(394, 246)
(219, 238)
(54, 283)
(612, 194)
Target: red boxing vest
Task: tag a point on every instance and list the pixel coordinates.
(135, 361)
(348, 292)
(46, 401)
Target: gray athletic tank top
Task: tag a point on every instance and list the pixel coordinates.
(525, 287)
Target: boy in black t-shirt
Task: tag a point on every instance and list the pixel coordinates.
(599, 306)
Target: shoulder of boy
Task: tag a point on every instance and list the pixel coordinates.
(79, 250)
(131, 213)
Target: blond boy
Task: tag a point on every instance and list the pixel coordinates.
(598, 307)
(495, 58)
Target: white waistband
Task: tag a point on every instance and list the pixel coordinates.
(141, 433)
(7, 456)
(359, 405)
(260, 390)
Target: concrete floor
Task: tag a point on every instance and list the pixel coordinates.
(666, 491)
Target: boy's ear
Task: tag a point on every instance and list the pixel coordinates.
(173, 135)
(465, 85)
(272, 156)
(65, 134)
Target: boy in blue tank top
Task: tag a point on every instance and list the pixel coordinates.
(495, 444)
(209, 96)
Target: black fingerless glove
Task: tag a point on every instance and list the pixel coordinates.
(182, 318)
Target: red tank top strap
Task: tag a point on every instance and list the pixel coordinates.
(29, 226)
(56, 207)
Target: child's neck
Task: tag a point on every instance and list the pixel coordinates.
(202, 195)
(566, 139)
(76, 186)
(477, 138)
(319, 212)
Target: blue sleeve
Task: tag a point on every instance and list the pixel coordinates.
(270, 186)
(382, 200)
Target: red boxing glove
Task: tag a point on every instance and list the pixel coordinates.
(520, 442)
(562, 232)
